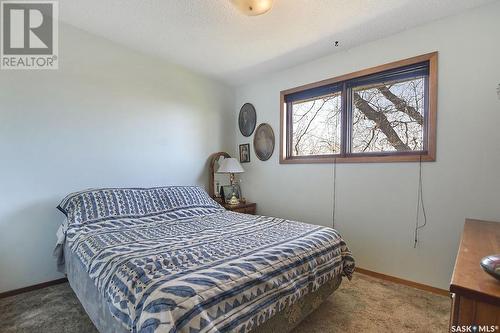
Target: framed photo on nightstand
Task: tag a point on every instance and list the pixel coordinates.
(228, 190)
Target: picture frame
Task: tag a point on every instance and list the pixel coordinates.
(227, 192)
(245, 153)
(247, 119)
(263, 142)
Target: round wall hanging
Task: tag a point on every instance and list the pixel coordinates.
(263, 142)
(247, 119)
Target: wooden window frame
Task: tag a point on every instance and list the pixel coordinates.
(427, 155)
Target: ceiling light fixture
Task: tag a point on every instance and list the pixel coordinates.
(253, 7)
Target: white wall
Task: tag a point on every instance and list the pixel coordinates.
(377, 202)
(108, 117)
(114, 117)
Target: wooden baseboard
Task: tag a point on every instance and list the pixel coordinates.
(358, 269)
(31, 288)
(408, 283)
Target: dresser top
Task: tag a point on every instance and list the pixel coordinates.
(479, 239)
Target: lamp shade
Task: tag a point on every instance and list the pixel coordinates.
(230, 165)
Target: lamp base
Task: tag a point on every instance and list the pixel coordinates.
(234, 200)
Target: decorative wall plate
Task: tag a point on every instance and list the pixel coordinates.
(247, 119)
(263, 142)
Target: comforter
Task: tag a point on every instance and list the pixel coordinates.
(175, 261)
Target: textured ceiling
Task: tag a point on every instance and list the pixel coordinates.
(212, 37)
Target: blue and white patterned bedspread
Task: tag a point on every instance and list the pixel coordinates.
(206, 270)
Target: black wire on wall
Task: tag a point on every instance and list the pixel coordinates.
(334, 190)
(420, 200)
(420, 203)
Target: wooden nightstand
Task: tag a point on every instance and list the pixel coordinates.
(246, 208)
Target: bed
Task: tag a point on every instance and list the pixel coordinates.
(170, 259)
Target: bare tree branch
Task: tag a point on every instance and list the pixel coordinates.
(305, 113)
(402, 105)
(371, 140)
(299, 138)
(381, 121)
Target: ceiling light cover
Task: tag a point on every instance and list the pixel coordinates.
(254, 7)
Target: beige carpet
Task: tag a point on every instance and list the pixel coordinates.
(363, 305)
(367, 304)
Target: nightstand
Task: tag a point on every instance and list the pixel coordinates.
(246, 208)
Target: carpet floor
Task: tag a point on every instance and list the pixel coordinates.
(364, 304)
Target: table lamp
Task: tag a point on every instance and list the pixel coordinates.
(231, 166)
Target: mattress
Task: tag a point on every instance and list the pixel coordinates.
(196, 267)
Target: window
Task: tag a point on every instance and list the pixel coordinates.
(382, 114)
(316, 125)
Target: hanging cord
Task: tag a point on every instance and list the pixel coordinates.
(334, 190)
(420, 202)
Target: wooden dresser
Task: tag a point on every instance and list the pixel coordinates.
(475, 294)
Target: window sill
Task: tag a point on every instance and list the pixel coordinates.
(359, 159)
